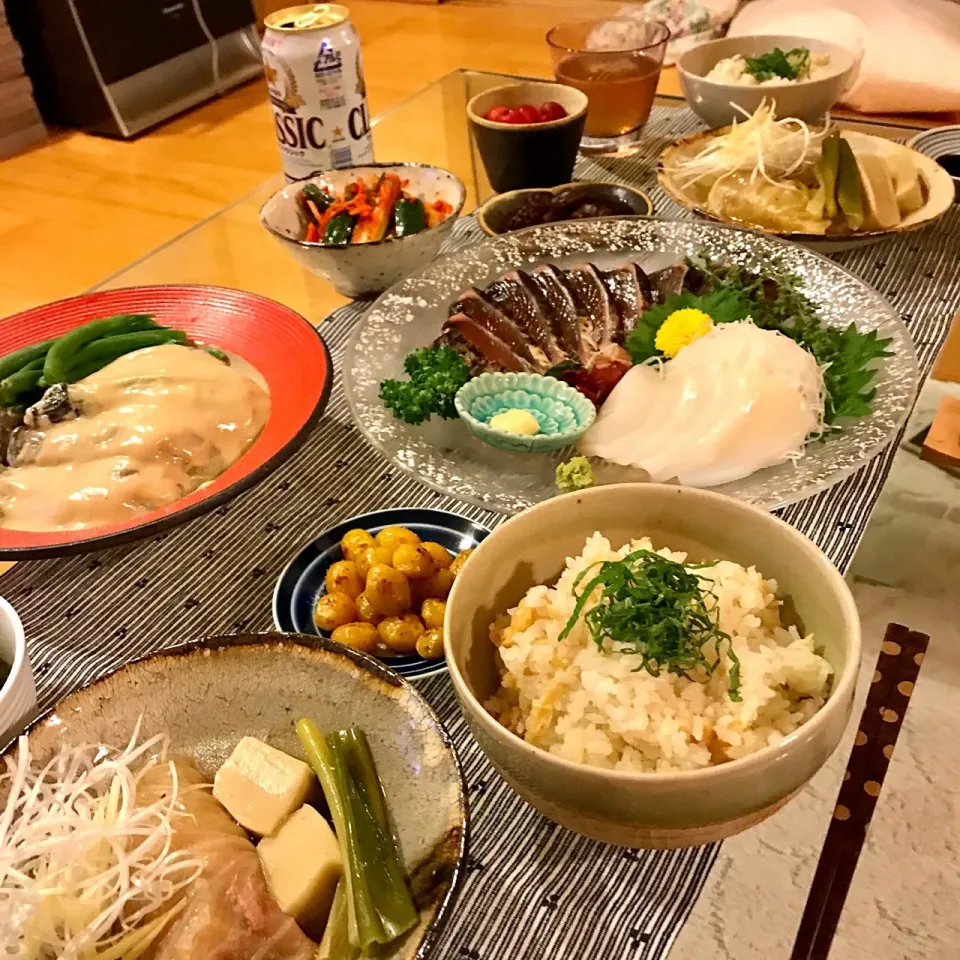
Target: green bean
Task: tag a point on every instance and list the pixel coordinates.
(63, 353)
(97, 355)
(17, 360)
(218, 354)
(17, 386)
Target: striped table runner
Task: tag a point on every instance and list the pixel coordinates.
(533, 891)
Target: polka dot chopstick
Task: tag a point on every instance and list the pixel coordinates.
(892, 685)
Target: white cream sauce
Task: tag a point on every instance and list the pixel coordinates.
(156, 424)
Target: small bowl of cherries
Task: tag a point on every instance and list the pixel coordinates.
(528, 133)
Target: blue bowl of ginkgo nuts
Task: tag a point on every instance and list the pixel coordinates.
(524, 412)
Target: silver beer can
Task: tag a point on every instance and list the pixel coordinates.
(311, 58)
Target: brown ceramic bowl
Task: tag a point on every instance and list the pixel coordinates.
(207, 694)
(677, 809)
(521, 155)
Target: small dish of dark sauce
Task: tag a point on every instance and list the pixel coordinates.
(575, 201)
(550, 208)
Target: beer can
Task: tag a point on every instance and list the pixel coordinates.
(311, 57)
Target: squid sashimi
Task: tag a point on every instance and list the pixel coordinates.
(786, 409)
(632, 406)
(730, 403)
(228, 914)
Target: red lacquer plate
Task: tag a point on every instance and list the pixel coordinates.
(283, 346)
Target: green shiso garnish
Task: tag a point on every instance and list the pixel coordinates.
(656, 609)
(793, 65)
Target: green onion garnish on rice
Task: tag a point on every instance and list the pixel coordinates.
(655, 608)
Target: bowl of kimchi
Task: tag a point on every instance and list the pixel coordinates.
(363, 228)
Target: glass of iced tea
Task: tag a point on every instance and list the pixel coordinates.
(616, 63)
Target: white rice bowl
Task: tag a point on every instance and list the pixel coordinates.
(595, 707)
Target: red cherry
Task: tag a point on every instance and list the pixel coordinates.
(498, 115)
(528, 113)
(552, 110)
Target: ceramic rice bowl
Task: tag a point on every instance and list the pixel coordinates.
(640, 809)
(364, 268)
(208, 694)
(717, 103)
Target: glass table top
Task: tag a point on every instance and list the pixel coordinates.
(904, 571)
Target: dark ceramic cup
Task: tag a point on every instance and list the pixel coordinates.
(518, 156)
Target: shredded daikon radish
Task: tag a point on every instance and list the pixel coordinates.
(759, 146)
(85, 872)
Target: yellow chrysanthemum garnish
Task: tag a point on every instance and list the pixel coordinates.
(681, 328)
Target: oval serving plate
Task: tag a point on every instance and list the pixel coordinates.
(936, 181)
(301, 582)
(282, 346)
(445, 455)
(264, 683)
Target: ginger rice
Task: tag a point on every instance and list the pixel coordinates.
(593, 706)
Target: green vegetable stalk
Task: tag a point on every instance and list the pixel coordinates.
(18, 387)
(379, 905)
(13, 362)
(827, 169)
(575, 474)
(849, 185)
(336, 944)
(218, 354)
(436, 374)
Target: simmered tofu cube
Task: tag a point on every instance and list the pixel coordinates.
(261, 786)
(302, 865)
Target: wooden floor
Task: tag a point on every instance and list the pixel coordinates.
(77, 208)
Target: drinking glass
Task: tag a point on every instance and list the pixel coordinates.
(616, 63)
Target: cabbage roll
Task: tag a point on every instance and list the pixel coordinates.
(229, 913)
(787, 207)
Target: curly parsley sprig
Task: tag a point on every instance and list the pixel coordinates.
(436, 374)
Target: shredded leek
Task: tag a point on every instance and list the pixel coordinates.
(86, 873)
(759, 147)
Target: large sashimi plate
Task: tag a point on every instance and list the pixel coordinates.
(446, 456)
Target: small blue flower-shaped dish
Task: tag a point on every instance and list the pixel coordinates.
(563, 413)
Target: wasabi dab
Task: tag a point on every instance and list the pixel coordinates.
(575, 474)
